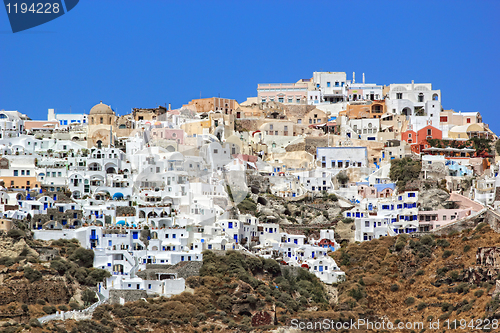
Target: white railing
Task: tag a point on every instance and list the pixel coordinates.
(75, 314)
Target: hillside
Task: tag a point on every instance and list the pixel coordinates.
(418, 279)
(32, 287)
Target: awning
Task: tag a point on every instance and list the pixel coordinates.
(117, 195)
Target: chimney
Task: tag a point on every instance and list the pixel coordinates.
(412, 84)
(169, 107)
(353, 77)
(363, 78)
(51, 115)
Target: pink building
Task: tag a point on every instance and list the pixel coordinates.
(372, 192)
(290, 93)
(432, 219)
(168, 134)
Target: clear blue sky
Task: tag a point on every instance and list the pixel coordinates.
(144, 53)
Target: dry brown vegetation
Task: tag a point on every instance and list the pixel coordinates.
(415, 279)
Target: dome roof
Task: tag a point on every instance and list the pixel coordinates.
(101, 109)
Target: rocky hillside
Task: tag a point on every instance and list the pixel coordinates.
(32, 287)
(233, 293)
(420, 279)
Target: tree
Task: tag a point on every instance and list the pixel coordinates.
(404, 171)
(89, 297)
(83, 257)
(342, 177)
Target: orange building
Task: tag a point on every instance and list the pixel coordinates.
(418, 140)
(365, 109)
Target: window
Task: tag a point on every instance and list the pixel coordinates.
(16, 173)
(429, 131)
(281, 99)
(328, 84)
(337, 84)
(22, 172)
(102, 120)
(299, 121)
(399, 95)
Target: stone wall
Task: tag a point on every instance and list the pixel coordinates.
(46, 253)
(184, 269)
(128, 295)
(125, 211)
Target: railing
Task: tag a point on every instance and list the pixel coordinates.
(75, 314)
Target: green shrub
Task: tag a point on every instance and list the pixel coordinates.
(83, 257)
(409, 301)
(421, 306)
(49, 309)
(272, 267)
(399, 246)
(348, 220)
(225, 303)
(63, 308)
(40, 302)
(419, 272)
(447, 253)
(254, 264)
(427, 240)
(394, 287)
(59, 265)
(16, 233)
(345, 258)
(443, 243)
(479, 293)
(7, 261)
(445, 306)
(35, 323)
(32, 274)
(466, 248)
(454, 275)
(74, 306)
(89, 297)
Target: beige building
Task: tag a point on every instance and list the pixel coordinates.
(152, 114)
(204, 105)
(104, 126)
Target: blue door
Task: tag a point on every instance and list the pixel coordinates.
(236, 238)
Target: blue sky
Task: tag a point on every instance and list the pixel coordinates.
(145, 53)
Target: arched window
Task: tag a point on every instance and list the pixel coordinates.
(92, 120)
(102, 120)
(420, 98)
(110, 120)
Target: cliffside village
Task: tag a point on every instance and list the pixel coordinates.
(156, 187)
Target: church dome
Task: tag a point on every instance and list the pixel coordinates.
(101, 109)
